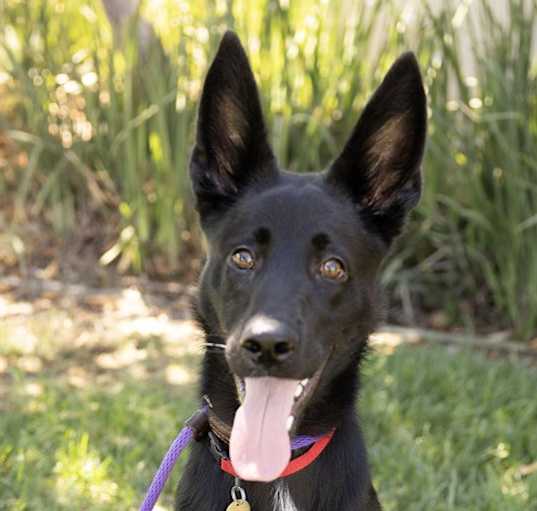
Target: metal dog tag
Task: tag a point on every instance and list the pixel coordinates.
(238, 505)
(239, 499)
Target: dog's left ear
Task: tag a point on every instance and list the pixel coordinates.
(380, 164)
(232, 148)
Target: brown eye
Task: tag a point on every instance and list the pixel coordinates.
(243, 259)
(333, 269)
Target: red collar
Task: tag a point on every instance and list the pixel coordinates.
(294, 465)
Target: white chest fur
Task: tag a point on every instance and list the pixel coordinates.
(282, 498)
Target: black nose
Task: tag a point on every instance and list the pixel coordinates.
(268, 342)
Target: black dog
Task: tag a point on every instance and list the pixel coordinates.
(290, 291)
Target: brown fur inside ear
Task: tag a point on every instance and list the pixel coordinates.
(384, 147)
(230, 130)
(379, 166)
(232, 148)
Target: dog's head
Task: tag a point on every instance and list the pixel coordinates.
(290, 278)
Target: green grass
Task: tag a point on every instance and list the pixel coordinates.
(446, 431)
(85, 449)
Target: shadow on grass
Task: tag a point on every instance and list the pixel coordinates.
(87, 427)
(84, 437)
(450, 430)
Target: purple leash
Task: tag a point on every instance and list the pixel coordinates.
(191, 430)
(166, 466)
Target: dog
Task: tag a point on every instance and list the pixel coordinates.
(289, 292)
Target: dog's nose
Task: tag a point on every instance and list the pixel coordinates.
(268, 341)
(265, 347)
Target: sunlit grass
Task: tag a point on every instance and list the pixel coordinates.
(450, 431)
(446, 431)
(93, 447)
(83, 406)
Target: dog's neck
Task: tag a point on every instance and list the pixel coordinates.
(344, 460)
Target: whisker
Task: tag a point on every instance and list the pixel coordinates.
(214, 345)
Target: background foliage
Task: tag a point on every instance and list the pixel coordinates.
(96, 122)
(105, 116)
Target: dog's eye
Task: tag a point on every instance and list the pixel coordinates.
(334, 269)
(243, 259)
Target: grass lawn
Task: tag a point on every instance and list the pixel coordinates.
(446, 430)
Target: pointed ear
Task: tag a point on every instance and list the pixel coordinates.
(232, 148)
(379, 167)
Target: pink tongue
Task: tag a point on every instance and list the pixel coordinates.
(259, 446)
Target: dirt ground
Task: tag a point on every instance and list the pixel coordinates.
(87, 334)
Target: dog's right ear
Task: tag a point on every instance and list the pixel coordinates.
(232, 148)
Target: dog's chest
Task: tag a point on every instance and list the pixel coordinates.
(282, 500)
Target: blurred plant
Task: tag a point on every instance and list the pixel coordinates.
(108, 118)
(105, 117)
(103, 123)
(471, 250)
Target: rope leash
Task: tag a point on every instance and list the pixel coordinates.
(159, 480)
(194, 429)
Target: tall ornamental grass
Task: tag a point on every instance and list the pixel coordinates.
(106, 118)
(472, 248)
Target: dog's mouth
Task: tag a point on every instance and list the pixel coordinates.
(260, 442)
